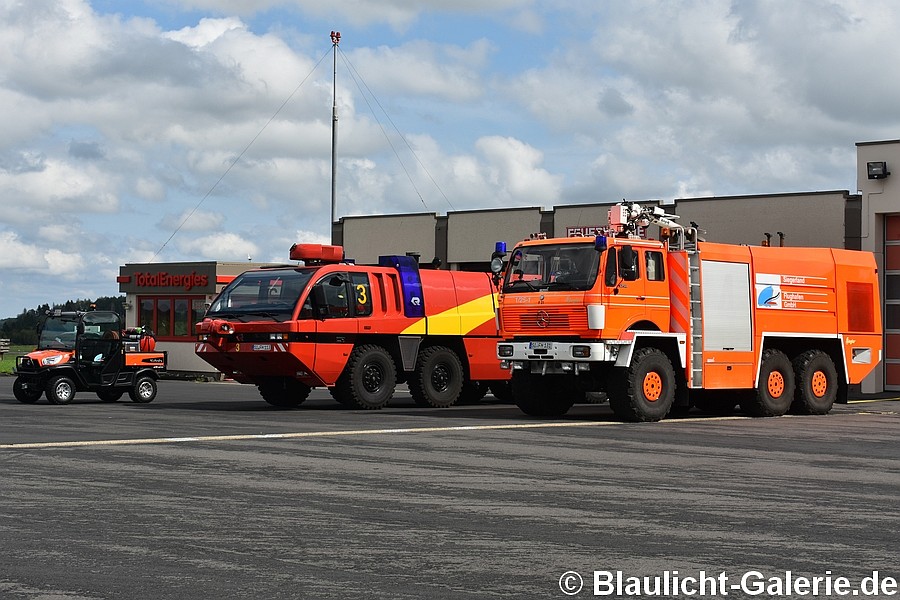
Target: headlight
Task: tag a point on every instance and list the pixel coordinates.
(581, 351)
(504, 350)
(51, 360)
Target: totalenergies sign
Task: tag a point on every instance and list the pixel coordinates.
(168, 278)
(165, 279)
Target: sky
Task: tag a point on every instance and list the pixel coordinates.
(185, 130)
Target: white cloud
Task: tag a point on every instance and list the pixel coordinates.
(15, 254)
(219, 246)
(116, 126)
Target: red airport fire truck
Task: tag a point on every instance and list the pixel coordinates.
(357, 330)
(662, 325)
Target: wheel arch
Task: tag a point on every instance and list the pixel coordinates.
(795, 345)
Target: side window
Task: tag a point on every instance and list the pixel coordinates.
(328, 299)
(362, 294)
(655, 269)
(336, 297)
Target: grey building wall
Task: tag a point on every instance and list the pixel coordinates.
(580, 216)
(367, 238)
(806, 219)
(879, 197)
(471, 234)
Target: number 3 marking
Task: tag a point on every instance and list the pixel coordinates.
(361, 297)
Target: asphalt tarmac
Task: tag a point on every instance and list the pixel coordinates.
(208, 492)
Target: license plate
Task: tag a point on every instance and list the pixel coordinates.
(540, 345)
(262, 347)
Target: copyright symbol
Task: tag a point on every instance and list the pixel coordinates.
(570, 583)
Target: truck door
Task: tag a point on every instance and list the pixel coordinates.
(656, 288)
(625, 287)
(333, 305)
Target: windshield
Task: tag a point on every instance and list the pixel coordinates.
(270, 294)
(552, 267)
(58, 333)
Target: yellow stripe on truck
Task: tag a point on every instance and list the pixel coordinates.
(458, 320)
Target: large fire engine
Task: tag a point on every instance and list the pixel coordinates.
(356, 329)
(662, 325)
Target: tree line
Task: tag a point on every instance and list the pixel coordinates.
(22, 329)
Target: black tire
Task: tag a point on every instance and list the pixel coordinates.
(25, 395)
(437, 379)
(502, 391)
(645, 390)
(816, 383)
(335, 393)
(368, 379)
(546, 396)
(284, 392)
(472, 392)
(60, 390)
(110, 395)
(775, 393)
(144, 390)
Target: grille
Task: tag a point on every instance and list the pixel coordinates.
(543, 318)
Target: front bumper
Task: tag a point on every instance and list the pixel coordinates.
(554, 357)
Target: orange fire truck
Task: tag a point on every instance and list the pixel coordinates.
(665, 325)
(357, 329)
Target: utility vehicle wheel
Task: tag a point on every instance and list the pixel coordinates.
(472, 392)
(144, 390)
(60, 390)
(775, 393)
(541, 395)
(816, 383)
(438, 377)
(644, 391)
(25, 395)
(368, 379)
(110, 395)
(502, 391)
(284, 392)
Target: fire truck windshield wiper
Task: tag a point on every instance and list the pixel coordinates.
(525, 281)
(260, 313)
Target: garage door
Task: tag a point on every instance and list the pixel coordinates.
(892, 302)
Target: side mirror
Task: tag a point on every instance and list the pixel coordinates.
(320, 302)
(627, 263)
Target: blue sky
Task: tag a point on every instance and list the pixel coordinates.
(120, 117)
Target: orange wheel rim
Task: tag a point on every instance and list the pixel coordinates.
(652, 386)
(775, 384)
(819, 384)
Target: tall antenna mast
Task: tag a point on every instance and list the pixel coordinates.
(335, 40)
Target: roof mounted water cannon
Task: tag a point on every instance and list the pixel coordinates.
(625, 218)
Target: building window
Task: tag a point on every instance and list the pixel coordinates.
(171, 317)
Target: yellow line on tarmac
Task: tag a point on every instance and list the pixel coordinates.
(873, 400)
(325, 434)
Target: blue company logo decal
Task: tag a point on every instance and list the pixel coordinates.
(769, 297)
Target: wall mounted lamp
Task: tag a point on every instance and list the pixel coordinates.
(877, 170)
